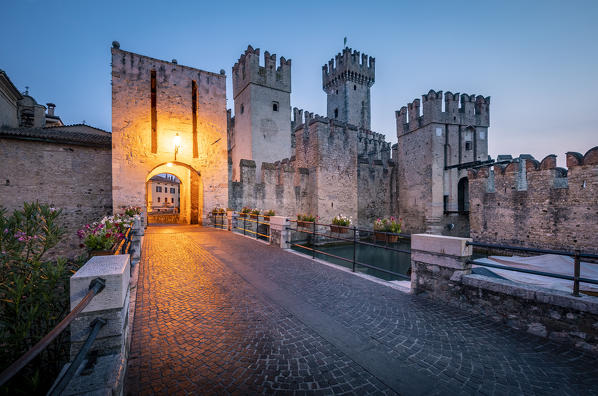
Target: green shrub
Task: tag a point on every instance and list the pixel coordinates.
(34, 295)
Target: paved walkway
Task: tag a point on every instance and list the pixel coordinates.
(218, 313)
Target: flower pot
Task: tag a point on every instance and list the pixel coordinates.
(266, 218)
(392, 238)
(384, 237)
(242, 214)
(100, 253)
(339, 229)
(253, 216)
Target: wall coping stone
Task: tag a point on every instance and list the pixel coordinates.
(534, 293)
(440, 244)
(114, 270)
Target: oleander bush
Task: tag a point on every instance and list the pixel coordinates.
(34, 295)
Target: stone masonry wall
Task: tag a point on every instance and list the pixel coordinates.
(431, 144)
(374, 191)
(284, 189)
(76, 179)
(133, 160)
(531, 203)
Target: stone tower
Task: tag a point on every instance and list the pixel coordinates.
(347, 80)
(262, 100)
(435, 148)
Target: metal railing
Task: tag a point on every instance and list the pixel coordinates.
(262, 228)
(388, 237)
(124, 246)
(577, 256)
(218, 220)
(95, 287)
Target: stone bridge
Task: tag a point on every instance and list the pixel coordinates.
(219, 313)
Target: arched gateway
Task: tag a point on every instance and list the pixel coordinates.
(168, 118)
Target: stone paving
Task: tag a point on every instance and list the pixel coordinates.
(218, 313)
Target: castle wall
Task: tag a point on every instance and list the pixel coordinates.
(328, 149)
(374, 191)
(530, 203)
(133, 140)
(74, 178)
(434, 149)
(285, 188)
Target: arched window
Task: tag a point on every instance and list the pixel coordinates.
(463, 199)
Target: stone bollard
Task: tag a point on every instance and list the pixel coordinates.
(229, 220)
(279, 235)
(111, 304)
(136, 241)
(435, 259)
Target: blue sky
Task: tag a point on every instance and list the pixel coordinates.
(537, 60)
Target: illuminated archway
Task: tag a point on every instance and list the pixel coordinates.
(191, 190)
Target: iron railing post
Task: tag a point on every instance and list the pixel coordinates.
(95, 287)
(354, 245)
(576, 274)
(244, 225)
(95, 326)
(313, 241)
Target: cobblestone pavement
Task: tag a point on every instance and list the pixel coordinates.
(218, 313)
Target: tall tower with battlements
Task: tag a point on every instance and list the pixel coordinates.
(347, 79)
(262, 99)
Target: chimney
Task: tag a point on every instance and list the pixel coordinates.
(51, 107)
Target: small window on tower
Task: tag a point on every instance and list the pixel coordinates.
(242, 108)
(336, 91)
(335, 113)
(274, 106)
(467, 145)
(354, 87)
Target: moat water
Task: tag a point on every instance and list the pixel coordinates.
(374, 256)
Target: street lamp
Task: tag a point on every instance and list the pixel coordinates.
(177, 145)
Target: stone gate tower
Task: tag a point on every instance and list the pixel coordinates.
(347, 80)
(262, 122)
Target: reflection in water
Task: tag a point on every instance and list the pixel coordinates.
(379, 257)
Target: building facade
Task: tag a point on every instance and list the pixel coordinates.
(168, 118)
(164, 194)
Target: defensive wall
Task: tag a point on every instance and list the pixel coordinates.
(336, 168)
(434, 148)
(535, 203)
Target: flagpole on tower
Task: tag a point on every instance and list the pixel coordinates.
(345, 42)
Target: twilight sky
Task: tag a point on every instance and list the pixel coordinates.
(538, 60)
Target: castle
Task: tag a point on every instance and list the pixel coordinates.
(337, 164)
(170, 118)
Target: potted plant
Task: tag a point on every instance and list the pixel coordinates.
(102, 238)
(340, 224)
(305, 220)
(218, 211)
(254, 213)
(244, 212)
(387, 230)
(268, 214)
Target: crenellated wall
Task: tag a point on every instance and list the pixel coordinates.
(434, 150)
(531, 203)
(285, 188)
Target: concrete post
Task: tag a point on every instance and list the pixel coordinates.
(435, 259)
(279, 235)
(111, 304)
(136, 241)
(229, 220)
